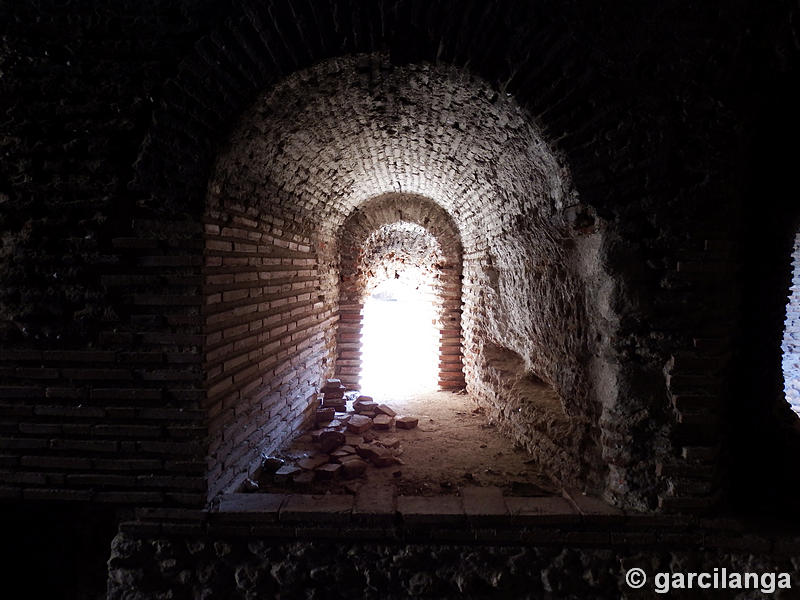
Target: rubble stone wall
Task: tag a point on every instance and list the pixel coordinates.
(210, 567)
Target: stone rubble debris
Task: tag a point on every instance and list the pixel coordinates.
(406, 422)
(385, 410)
(365, 408)
(333, 394)
(328, 471)
(270, 464)
(330, 441)
(353, 468)
(382, 422)
(359, 424)
(285, 473)
(325, 415)
(345, 442)
(312, 462)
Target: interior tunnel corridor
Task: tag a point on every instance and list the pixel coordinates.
(211, 213)
(306, 212)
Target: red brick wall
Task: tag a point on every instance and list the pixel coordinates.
(268, 336)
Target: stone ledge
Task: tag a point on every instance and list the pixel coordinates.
(594, 509)
(252, 507)
(543, 510)
(484, 505)
(374, 505)
(434, 510)
(325, 508)
(475, 517)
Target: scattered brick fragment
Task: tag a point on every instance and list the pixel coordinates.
(385, 410)
(313, 462)
(332, 384)
(368, 451)
(353, 468)
(359, 424)
(327, 472)
(285, 473)
(377, 455)
(382, 422)
(330, 440)
(365, 407)
(406, 422)
(324, 415)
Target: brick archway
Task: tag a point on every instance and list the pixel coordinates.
(578, 99)
(352, 236)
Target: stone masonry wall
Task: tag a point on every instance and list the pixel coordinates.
(176, 566)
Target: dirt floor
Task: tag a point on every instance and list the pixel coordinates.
(452, 446)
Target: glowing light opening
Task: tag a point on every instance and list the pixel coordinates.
(791, 335)
(400, 340)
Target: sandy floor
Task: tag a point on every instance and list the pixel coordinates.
(452, 446)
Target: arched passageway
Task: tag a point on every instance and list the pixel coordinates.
(306, 179)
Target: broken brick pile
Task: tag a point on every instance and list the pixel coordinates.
(346, 441)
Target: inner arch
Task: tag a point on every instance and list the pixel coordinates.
(401, 235)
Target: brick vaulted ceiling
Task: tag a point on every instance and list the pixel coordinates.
(350, 129)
